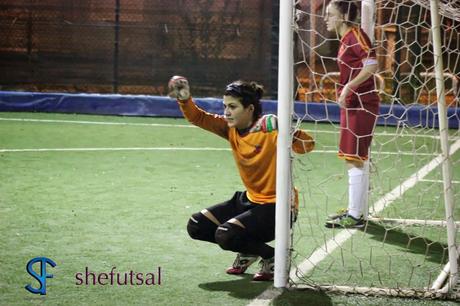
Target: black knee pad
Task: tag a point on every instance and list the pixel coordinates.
(229, 236)
(201, 228)
(193, 228)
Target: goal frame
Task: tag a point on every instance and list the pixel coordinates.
(442, 287)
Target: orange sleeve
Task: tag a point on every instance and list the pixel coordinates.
(302, 142)
(210, 122)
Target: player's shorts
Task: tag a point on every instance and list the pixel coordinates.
(356, 130)
(258, 219)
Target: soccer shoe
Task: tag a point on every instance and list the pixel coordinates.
(339, 213)
(346, 221)
(267, 270)
(241, 263)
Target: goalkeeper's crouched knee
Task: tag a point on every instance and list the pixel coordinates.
(229, 237)
(201, 228)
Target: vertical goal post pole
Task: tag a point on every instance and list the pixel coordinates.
(444, 136)
(284, 143)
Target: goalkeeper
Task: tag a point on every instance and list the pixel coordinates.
(246, 222)
(359, 103)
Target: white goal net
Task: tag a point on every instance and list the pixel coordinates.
(405, 246)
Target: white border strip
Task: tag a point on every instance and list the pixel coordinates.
(171, 149)
(438, 181)
(323, 251)
(98, 122)
(188, 126)
(113, 149)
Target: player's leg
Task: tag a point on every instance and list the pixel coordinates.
(203, 225)
(356, 136)
(241, 263)
(353, 217)
(259, 226)
(248, 233)
(233, 237)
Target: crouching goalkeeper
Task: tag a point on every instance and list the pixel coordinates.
(246, 222)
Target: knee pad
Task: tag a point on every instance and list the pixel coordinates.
(193, 228)
(201, 228)
(229, 236)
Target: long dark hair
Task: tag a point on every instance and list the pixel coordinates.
(248, 93)
(347, 8)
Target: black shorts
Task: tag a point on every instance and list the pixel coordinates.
(258, 219)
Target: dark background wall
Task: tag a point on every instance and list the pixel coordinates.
(134, 46)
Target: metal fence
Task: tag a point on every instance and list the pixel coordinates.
(134, 46)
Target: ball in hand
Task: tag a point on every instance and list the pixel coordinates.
(178, 87)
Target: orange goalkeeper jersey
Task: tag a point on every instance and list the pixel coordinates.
(254, 152)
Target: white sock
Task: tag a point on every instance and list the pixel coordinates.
(357, 191)
(366, 190)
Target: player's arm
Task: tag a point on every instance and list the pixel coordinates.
(302, 142)
(180, 90)
(369, 69)
(362, 49)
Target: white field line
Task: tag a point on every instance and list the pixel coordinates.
(438, 181)
(184, 126)
(114, 149)
(98, 122)
(335, 242)
(154, 148)
(386, 134)
(170, 149)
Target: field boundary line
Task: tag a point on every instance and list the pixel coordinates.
(98, 122)
(114, 149)
(185, 126)
(342, 236)
(170, 149)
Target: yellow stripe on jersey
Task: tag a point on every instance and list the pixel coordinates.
(351, 157)
(359, 37)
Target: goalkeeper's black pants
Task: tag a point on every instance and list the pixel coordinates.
(258, 221)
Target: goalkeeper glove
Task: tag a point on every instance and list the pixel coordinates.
(266, 124)
(178, 88)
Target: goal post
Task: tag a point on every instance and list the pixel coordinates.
(408, 246)
(283, 160)
(444, 135)
(368, 18)
(367, 24)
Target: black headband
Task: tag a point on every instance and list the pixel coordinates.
(240, 90)
(234, 89)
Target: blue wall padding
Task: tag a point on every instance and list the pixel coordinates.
(138, 105)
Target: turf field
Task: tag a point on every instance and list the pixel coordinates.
(97, 192)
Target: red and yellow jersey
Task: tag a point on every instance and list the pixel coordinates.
(355, 48)
(254, 152)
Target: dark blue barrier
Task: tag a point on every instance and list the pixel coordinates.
(129, 105)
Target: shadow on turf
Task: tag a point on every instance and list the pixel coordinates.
(242, 287)
(436, 251)
(302, 297)
(245, 288)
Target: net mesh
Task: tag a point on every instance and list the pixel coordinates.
(404, 244)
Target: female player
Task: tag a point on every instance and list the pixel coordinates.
(359, 103)
(246, 222)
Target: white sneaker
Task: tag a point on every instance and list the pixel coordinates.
(241, 263)
(267, 270)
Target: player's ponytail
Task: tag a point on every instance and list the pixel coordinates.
(248, 93)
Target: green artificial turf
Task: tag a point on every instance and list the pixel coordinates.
(128, 208)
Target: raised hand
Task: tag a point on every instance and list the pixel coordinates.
(178, 88)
